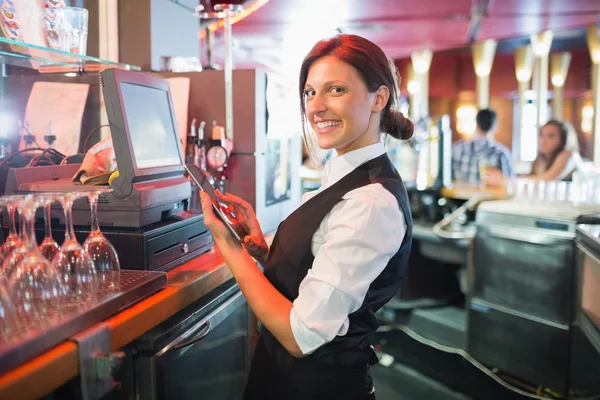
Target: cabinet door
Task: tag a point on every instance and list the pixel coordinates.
(526, 272)
(211, 360)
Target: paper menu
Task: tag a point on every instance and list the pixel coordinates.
(61, 103)
(180, 93)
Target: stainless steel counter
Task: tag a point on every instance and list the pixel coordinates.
(588, 282)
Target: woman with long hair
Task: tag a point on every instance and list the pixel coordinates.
(342, 254)
(554, 160)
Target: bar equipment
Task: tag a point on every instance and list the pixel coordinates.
(208, 345)
(521, 290)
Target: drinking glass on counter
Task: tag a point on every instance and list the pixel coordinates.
(485, 165)
(101, 251)
(72, 29)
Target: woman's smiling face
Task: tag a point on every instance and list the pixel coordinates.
(339, 107)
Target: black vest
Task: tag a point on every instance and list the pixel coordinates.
(291, 257)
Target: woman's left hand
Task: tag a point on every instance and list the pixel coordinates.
(212, 222)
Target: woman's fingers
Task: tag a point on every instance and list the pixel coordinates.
(234, 200)
(206, 206)
(210, 220)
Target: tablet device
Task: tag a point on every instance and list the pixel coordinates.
(221, 209)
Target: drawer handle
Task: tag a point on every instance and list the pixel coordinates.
(184, 247)
(204, 331)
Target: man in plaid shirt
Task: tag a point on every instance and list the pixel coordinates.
(482, 150)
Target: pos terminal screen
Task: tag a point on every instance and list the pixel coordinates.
(151, 126)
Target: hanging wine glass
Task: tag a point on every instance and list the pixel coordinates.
(35, 286)
(12, 240)
(48, 247)
(18, 253)
(72, 263)
(101, 251)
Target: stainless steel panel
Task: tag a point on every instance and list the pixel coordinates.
(210, 360)
(72, 317)
(588, 285)
(524, 275)
(553, 227)
(531, 350)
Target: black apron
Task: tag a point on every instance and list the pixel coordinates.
(339, 369)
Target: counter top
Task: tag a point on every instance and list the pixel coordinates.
(589, 234)
(465, 192)
(187, 283)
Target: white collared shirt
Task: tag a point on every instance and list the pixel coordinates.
(352, 246)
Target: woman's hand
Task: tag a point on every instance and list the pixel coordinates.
(213, 223)
(493, 177)
(254, 242)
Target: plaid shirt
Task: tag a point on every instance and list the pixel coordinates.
(466, 157)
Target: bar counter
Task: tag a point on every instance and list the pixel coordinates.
(187, 283)
(461, 191)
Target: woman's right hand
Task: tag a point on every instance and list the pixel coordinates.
(254, 243)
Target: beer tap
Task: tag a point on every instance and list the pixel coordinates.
(29, 138)
(50, 138)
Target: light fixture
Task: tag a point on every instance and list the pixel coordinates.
(524, 63)
(413, 87)
(466, 119)
(483, 56)
(593, 44)
(558, 80)
(249, 8)
(559, 66)
(421, 61)
(482, 70)
(541, 43)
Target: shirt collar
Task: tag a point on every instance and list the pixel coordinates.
(340, 166)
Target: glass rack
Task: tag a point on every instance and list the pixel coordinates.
(47, 60)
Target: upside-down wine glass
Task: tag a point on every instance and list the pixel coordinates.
(35, 285)
(12, 240)
(73, 264)
(18, 253)
(48, 247)
(101, 251)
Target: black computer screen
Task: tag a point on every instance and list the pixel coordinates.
(151, 126)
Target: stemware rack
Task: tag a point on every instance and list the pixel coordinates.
(30, 338)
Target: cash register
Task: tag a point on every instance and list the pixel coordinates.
(146, 215)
